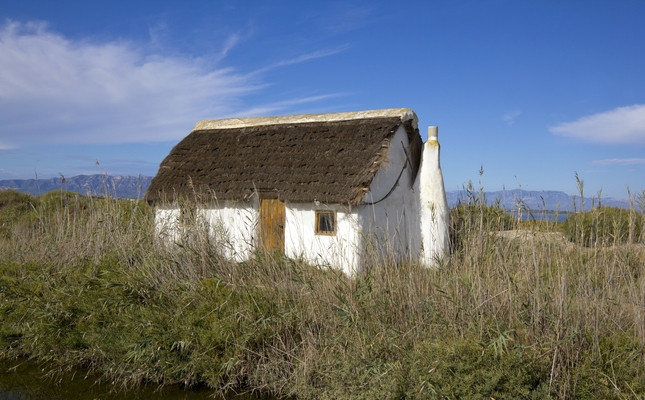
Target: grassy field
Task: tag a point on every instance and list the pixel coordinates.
(529, 314)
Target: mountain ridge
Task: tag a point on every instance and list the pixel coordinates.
(134, 187)
(131, 187)
(535, 200)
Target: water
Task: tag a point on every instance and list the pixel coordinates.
(541, 216)
(25, 380)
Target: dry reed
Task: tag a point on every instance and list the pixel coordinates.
(85, 282)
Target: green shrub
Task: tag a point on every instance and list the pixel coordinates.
(14, 206)
(11, 197)
(604, 226)
(474, 219)
(58, 200)
(463, 369)
(87, 284)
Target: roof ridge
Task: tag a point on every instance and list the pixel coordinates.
(404, 113)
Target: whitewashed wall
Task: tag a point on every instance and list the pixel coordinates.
(338, 251)
(391, 227)
(412, 222)
(233, 225)
(167, 224)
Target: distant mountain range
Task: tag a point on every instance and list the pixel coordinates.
(536, 200)
(131, 187)
(134, 187)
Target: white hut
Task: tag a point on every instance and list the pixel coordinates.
(328, 188)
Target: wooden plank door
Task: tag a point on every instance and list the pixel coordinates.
(271, 227)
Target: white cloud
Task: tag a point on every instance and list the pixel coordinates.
(4, 146)
(620, 125)
(302, 58)
(346, 17)
(619, 161)
(510, 117)
(231, 42)
(54, 90)
(8, 174)
(271, 108)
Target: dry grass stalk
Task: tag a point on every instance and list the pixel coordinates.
(534, 315)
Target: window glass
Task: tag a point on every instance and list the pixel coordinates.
(325, 222)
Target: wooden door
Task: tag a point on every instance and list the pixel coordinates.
(271, 227)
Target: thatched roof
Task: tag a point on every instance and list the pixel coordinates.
(331, 158)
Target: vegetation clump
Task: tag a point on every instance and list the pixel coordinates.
(468, 218)
(85, 283)
(604, 226)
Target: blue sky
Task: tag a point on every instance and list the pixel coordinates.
(532, 90)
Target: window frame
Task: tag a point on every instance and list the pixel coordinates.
(318, 219)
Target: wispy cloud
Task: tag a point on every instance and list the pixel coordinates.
(8, 174)
(346, 17)
(510, 117)
(231, 42)
(302, 58)
(118, 161)
(157, 32)
(281, 105)
(56, 90)
(619, 161)
(620, 125)
(53, 90)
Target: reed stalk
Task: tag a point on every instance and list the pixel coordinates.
(517, 311)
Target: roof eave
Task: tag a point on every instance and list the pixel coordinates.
(404, 114)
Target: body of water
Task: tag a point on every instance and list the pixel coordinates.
(27, 380)
(540, 216)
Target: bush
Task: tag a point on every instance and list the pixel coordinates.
(467, 220)
(605, 226)
(14, 206)
(86, 284)
(462, 368)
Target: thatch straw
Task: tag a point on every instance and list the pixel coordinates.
(328, 161)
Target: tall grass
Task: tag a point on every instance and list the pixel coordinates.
(84, 282)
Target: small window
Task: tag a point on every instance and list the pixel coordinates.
(325, 222)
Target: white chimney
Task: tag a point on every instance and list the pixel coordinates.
(434, 211)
